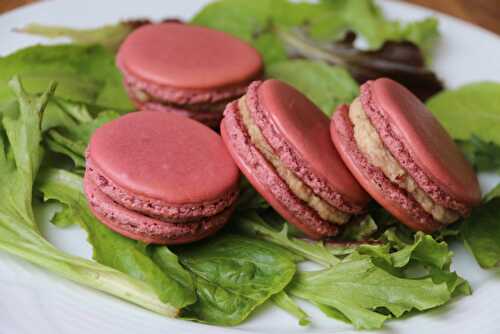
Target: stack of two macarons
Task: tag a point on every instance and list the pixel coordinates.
(187, 70)
(160, 177)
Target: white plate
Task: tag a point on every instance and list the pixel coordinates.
(35, 301)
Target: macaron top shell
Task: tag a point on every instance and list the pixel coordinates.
(430, 146)
(188, 57)
(164, 156)
(306, 129)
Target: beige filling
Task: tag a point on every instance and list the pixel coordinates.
(143, 96)
(299, 188)
(370, 144)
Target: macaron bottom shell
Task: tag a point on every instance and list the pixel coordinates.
(154, 208)
(139, 227)
(203, 106)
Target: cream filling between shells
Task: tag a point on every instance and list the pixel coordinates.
(298, 188)
(371, 146)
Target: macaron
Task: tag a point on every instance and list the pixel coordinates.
(403, 157)
(160, 178)
(186, 69)
(281, 142)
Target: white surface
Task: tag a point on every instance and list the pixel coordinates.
(35, 301)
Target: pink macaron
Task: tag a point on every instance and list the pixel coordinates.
(404, 158)
(186, 69)
(160, 178)
(281, 142)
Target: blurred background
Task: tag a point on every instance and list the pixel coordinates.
(485, 13)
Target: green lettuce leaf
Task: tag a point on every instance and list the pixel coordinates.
(233, 275)
(359, 230)
(156, 267)
(481, 231)
(357, 287)
(327, 86)
(423, 249)
(20, 158)
(283, 300)
(492, 194)
(483, 155)
(366, 19)
(473, 109)
(325, 20)
(250, 223)
(84, 74)
(109, 36)
(70, 129)
(249, 198)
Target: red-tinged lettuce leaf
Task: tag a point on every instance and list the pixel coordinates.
(400, 61)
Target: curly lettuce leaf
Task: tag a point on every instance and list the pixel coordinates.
(157, 267)
(327, 86)
(357, 287)
(376, 267)
(20, 157)
(233, 275)
(359, 230)
(70, 129)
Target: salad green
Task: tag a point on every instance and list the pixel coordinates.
(477, 105)
(20, 157)
(481, 231)
(233, 275)
(326, 20)
(374, 271)
(84, 74)
(325, 85)
(356, 287)
(160, 269)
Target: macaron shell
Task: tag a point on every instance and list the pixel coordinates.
(392, 198)
(306, 129)
(267, 182)
(139, 227)
(175, 213)
(136, 89)
(209, 118)
(188, 56)
(429, 145)
(164, 156)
